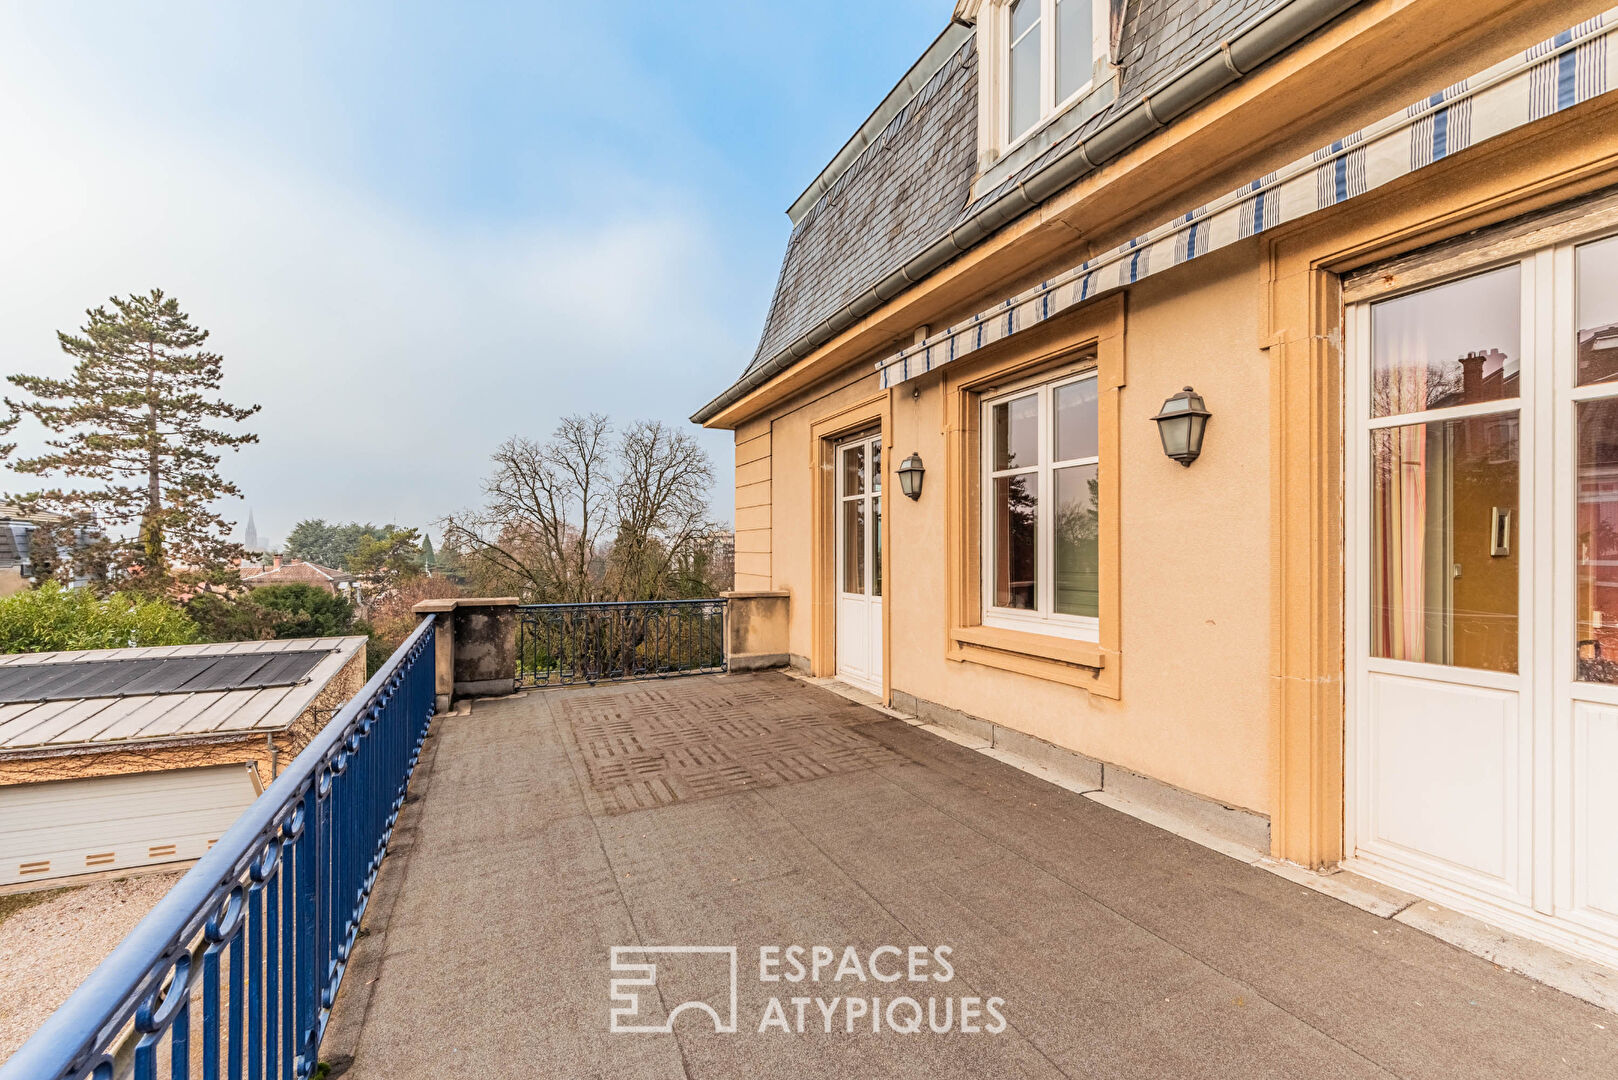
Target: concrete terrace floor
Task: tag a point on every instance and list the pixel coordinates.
(758, 810)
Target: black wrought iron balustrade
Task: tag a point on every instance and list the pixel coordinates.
(263, 924)
(564, 644)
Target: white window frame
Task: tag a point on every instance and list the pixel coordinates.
(1049, 107)
(1044, 619)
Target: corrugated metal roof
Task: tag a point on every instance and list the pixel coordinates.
(153, 675)
(215, 700)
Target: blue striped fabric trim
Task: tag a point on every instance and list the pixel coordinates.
(1570, 68)
(1443, 126)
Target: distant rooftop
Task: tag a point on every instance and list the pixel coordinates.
(284, 571)
(13, 512)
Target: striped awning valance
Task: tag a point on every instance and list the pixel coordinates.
(1574, 66)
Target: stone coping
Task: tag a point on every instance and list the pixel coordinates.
(454, 602)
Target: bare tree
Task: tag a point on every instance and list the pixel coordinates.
(546, 509)
(582, 518)
(662, 504)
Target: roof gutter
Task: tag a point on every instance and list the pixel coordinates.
(1233, 59)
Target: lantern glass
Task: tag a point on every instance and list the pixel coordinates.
(1181, 424)
(1176, 433)
(910, 474)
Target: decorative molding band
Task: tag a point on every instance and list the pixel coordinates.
(1570, 68)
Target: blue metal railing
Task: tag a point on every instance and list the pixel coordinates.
(565, 644)
(267, 917)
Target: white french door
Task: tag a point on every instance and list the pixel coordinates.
(859, 562)
(1482, 585)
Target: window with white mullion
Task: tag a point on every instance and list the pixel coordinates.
(1049, 59)
(1593, 397)
(1025, 69)
(1072, 47)
(1040, 513)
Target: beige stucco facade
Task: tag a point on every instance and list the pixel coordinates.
(1220, 666)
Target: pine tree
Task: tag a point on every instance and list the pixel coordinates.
(7, 423)
(427, 558)
(134, 421)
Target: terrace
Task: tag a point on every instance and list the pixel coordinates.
(529, 836)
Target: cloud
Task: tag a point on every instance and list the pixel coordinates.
(390, 351)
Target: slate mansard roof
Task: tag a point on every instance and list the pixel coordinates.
(906, 189)
(913, 184)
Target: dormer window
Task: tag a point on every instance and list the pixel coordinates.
(1051, 58)
(1039, 60)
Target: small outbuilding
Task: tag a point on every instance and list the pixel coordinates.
(284, 571)
(114, 759)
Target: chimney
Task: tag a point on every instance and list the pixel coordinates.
(277, 565)
(1472, 378)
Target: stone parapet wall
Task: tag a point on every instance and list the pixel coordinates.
(757, 629)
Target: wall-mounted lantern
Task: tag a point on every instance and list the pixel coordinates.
(1181, 424)
(910, 473)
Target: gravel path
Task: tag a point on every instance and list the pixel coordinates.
(48, 948)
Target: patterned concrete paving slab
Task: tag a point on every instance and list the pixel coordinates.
(757, 812)
(646, 746)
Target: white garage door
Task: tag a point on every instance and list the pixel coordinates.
(65, 827)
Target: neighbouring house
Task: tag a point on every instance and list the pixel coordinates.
(1358, 590)
(113, 759)
(17, 543)
(285, 571)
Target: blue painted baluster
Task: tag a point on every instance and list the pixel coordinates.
(333, 866)
(210, 1006)
(307, 916)
(146, 1058)
(272, 964)
(355, 854)
(330, 914)
(169, 1015)
(289, 980)
(342, 823)
(217, 933)
(255, 980)
(233, 1039)
(180, 1041)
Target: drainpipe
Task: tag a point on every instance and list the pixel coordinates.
(1283, 28)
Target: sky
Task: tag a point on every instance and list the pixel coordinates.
(415, 230)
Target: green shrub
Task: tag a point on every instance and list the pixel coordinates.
(305, 611)
(51, 618)
(231, 618)
(273, 611)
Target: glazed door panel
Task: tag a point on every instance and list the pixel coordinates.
(1481, 576)
(859, 562)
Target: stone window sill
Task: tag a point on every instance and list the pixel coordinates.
(1077, 663)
